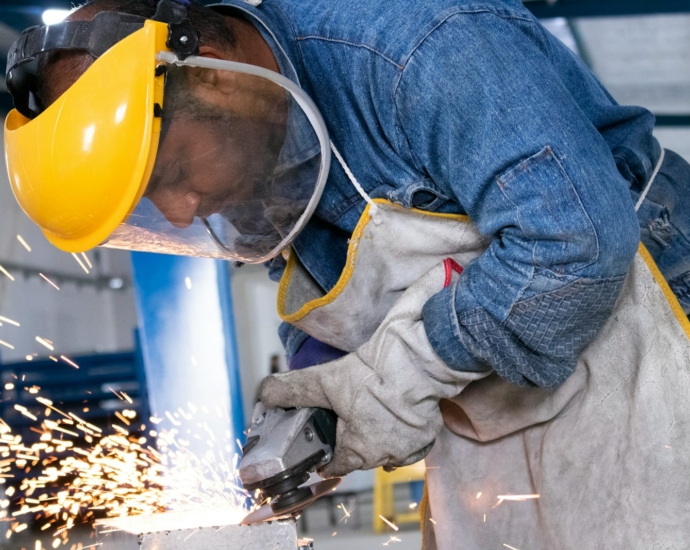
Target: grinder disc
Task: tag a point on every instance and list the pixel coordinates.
(265, 513)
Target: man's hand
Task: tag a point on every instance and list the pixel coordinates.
(385, 394)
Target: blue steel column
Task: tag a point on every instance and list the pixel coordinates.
(188, 338)
(232, 358)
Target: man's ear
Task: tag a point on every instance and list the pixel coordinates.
(238, 93)
(210, 51)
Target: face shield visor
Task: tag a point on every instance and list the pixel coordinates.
(239, 167)
(151, 152)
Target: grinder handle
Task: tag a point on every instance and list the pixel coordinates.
(324, 424)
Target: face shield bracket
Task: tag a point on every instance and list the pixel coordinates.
(183, 39)
(94, 37)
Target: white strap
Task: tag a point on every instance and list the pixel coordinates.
(373, 207)
(647, 187)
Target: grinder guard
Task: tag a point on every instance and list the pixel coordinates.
(283, 447)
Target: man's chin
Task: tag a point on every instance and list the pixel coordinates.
(181, 224)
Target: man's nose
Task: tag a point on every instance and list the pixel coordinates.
(178, 208)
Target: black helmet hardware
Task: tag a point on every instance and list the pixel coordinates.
(95, 37)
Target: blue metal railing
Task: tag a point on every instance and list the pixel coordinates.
(90, 391)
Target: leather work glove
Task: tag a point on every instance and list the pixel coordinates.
(386, 394)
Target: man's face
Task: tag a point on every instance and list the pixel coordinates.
(201, 170)
(218, 147)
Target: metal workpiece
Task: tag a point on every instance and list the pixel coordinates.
(275, 535)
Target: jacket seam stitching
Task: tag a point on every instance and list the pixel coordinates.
(294, 33)
(532, 266)
(454, 13)
(352, 44)
(454, 318)
(545, 38)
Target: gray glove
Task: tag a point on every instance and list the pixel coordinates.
(386, 394)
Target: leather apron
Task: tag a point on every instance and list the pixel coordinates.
(608, 452)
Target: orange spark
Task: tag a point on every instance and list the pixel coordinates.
(86, 258)
(24, 243)
(81, 264)
(45, 343)
(122, 418)
(69, 361)
(25, 412)
(7, 273)
(518, 498)
(10, 321)
(389, 523)
(51, 283)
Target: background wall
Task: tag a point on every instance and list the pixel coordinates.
(643, 60)
(82, 319)
(257, 322)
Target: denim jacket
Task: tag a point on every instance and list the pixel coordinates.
(470, 106)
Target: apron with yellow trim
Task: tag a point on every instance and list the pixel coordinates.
(607, 453)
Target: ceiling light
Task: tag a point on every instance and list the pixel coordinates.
(50, 17)
(116, 283)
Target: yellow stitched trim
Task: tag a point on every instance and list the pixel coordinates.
(337, 289)
(668, 293)
(285, 281)
(349, 263)
(459, 217)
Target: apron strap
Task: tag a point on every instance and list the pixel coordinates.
(373, 207)
(647, 187)
(450, 265)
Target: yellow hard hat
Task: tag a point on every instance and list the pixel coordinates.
(156, 149)
(79, 167)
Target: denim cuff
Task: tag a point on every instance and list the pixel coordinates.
(292, 339)
(439, 319)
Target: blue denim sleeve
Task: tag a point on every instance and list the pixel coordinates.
(488, 118)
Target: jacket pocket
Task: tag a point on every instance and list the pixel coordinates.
(549, 213)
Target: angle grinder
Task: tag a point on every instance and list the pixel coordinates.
(283, 447)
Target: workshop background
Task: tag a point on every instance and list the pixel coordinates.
(151, 334)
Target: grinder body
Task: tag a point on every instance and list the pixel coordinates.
(283, 447)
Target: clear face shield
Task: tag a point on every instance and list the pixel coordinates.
(242, 160)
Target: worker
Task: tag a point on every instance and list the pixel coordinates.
(466, 265)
